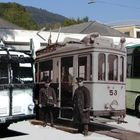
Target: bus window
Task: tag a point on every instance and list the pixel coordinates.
(21, 72)
(67, 70)
(136, 66)
(121, 69)
(46, 72)
(82, 67)
(133, 65)
(101, 66)
(85, 67)
(36, 66)
(67, 81)
(113, 67)
(129, 66)
(3, 73)
(91, 76)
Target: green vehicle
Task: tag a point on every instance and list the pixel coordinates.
(133, 79)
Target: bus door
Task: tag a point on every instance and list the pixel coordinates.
(66, 86)
(85, 71)
(45, 73)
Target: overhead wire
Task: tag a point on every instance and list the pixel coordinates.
(114, 4)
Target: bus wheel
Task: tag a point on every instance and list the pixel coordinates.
(4, 126)
(137, 108)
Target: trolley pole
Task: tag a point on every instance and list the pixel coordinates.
(32, 56)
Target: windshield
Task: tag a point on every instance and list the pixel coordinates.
(3, 73)
(22, 73)
(19, 70)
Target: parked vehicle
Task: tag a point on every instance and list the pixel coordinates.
(99, 61)
(133, 78)
(16, 86)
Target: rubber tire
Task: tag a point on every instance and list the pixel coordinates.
(4, 127)
(137, 107)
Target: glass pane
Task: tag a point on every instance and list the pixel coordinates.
(67, 70)
(82, 67)
(121, 69)
(46, 72)
(67, 81)
(101, 66)
(22, 73)
(129, 66)
(136, 66)
(113, 67)
(3, 73)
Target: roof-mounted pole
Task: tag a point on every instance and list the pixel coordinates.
(49, 39)
(42, 29)
(58, 35)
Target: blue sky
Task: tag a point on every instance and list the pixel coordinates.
(104, 11)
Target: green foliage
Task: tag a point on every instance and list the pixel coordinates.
(67, 22)
(17, 14)
(34, 18)
(43, 17)
(52, 26)
(73, 21)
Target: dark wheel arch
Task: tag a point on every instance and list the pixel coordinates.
(4, 126)
(137, 107)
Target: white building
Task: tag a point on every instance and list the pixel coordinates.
(20, 39)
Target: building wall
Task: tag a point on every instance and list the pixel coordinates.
(23, 37)
(127, 29)
(40, 39)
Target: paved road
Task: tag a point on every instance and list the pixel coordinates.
(26, 131)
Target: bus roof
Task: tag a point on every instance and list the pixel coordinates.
(91, 40)
(133, 46)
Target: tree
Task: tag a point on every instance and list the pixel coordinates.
(17, 14)
(73, 21)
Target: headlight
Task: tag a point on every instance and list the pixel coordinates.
(30, 107)
(107, 106)
(114, 104)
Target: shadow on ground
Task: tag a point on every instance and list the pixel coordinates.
(10, 133)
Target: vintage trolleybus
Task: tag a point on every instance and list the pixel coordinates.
(99, 61)
(16, 86)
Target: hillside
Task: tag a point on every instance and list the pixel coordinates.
(17, 14)
(41, 16)
(28, 17)
(32, 18)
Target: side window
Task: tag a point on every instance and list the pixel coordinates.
(3, 73)
(133, 65)
(67, 70)
(101, 66)
(36, 79)
(82, 67)
(129, 66)
(136, 64)
(112, 67)
(85, 67)
(121, 69)
(45, 69)
(66, 82)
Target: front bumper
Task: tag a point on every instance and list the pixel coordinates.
(16, 118)
(109, 113)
